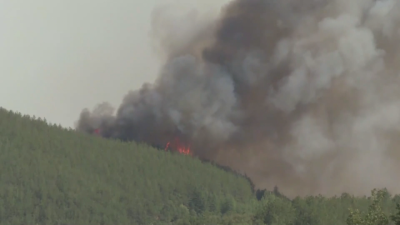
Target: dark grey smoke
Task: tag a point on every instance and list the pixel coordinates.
(303, 94)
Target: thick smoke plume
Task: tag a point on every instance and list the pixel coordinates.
(302, 94)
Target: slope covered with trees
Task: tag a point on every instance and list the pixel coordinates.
(50, 175)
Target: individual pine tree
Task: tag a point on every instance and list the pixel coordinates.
(375, 214)
(396, 217)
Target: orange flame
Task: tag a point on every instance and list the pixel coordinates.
(176, 145)
(97, 131)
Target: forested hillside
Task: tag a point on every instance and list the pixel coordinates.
(51, 175)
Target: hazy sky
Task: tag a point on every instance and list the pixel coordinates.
(58, 57)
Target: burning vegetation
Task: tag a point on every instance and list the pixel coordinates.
(178, 146)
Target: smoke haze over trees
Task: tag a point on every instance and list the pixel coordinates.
(302, 94)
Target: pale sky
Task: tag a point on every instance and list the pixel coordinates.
(58, 57)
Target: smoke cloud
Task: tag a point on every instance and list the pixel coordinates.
(302, 94)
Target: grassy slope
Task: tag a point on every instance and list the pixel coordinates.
(51, 175)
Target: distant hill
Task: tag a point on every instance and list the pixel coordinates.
(50, 175)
